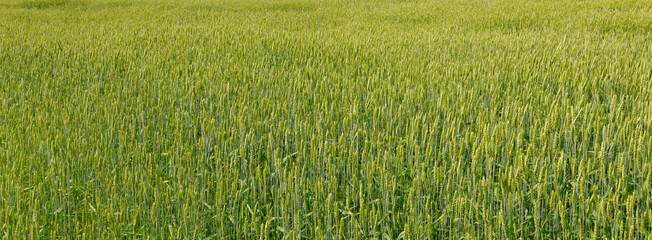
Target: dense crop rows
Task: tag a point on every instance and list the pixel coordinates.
(325, 119)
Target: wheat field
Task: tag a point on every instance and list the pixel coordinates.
(320, 119)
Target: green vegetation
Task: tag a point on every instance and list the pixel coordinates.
(325, 119)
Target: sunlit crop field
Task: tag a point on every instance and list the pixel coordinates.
(319, 119)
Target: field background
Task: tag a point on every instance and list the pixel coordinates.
(325, 119)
